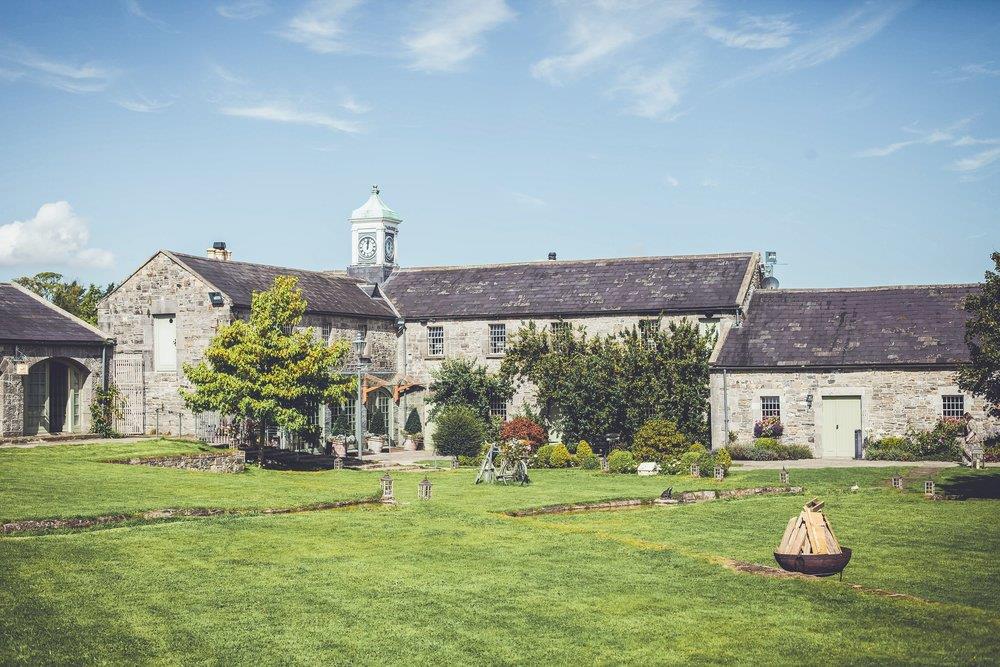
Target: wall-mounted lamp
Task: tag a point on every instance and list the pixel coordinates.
(216, 299)
(809, 400)
(400, 326)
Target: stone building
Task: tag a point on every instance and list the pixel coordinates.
(50, 364)
(829, 362)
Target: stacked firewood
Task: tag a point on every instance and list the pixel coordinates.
(809, 533)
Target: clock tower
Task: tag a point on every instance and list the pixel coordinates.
(374, 231)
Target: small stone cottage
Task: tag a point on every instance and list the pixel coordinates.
(50, 364)
(830, 362)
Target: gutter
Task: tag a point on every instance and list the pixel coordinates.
(951, 365)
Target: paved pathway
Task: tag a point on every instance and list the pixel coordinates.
(837, 463)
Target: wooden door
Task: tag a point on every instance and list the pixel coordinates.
(36, 399)
(841, 418)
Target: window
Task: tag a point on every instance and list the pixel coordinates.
(164, 343)
(498, 338)
(648, 330)
(953, 406)
(287, 329)
(770, 406)
(498, 409)
(325, 332)
(560, 327)
(435, 341)
(708, 325)
(345, 414)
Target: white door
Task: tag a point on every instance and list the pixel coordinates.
(164, 343)
(127, 371)
(841, 418)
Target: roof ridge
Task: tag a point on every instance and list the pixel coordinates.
(869, 288)
(563, 262)
(331, 273)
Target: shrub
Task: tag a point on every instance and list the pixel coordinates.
(739, 452)
(412, 425)
(659, 440)
(769, 444)
(543, 456)
(722, 458)
(583, 449)
(590, 463)
(458, 431)
(104, 410)
(560, 457)
(522, 428)
(688, 459)
(760, 454)
(768, 449)
(768, 427)
(622, 461)
(697, 447)
(939, 443)
(799, 452)
(469, 461)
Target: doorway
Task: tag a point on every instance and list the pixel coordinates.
(841, 418)
(51, 393)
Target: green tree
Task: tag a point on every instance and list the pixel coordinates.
(458, 431)
(255, 370)
(73, 297)
(590, 386)
(463, 382)
(659, 440)
(982, 334)
(413, 425)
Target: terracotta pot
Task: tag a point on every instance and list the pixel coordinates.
(409, 445)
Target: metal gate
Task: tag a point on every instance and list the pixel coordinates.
(128, 377)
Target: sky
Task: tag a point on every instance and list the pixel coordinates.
(859, 140)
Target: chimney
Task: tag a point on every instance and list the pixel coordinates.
(552, 256)
(218, 251)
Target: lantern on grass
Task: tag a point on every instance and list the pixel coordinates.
(695, 470)
(783, 475)
(720, 473)
(424, 489)
(929, 489)
(604, 463)
(454, 462)
(897, 482)
(387, 496)
(338, 463)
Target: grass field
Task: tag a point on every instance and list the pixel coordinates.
(454, 580)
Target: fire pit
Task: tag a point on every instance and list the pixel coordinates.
(820, 565)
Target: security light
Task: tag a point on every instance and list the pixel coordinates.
(216, 299)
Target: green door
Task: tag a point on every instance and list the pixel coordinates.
(36, 399)
(841, 418)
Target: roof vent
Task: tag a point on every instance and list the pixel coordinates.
(552, 256)
(218, 251)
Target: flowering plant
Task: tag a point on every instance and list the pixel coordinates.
(768, 427)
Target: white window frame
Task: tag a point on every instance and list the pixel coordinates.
(770, 410)
(498, 408)
(497, 339)
(435, 338)
(648, 328)
(560, 326)
(950, 410)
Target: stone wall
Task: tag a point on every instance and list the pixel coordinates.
(86, 358)
(891, 400)
(228, 462)
(469, 339)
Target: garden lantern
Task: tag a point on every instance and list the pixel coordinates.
(424, 489)
(783, 475)
(929, 489)
(720, 473)
(387, 496)
(454, 462)
(338, 463)
(604, 463)
(897, 482)
(695, 470)
(612, 439)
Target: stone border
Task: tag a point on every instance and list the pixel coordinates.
(222, 462)
(684, 497)
(42, 526)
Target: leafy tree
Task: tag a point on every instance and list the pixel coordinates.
(590, 386)
(254, 370)
(413, 425)
(463, 382)
(659, 440)
(72, 297)
(522, 428)
(982, 334)
(458, 431)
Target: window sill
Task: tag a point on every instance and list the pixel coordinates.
(432, 357)
(496, 355)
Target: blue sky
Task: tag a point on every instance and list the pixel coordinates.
(859, 140)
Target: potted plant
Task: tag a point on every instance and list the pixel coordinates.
(414, 438)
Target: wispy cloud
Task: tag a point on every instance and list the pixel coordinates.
(137, 10)
(671, 181)
(971, 71)
(977, 161)
(227, 75)
(932, 137)
(599, 30)
(652, 93)
(70, 77)
(320, 25)
(528, 200)
(755, 32)
(350, 103)
(55, 236)
(453, 32)
(288, 114)
(831, 41)
(142, 104)
(243, 10)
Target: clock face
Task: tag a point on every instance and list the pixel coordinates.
(367, 247)
(390, 248)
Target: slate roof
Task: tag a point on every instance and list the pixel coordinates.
(324, 292)
(694, 283)
(879, 326)
(25, 318)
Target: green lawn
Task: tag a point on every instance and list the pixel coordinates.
(456, 581)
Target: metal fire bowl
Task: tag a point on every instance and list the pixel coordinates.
(820, 565)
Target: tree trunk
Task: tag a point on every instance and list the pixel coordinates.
(262, 440)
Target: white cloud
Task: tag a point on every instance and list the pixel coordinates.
(243, 10)
(143, 104)
(971, 71)
(56, 235)
(285, 114)
(671, 181)
(651, 93)
(932, 137)
(977, 161)
(354, 105)
(70, 77)
(966, 140)
(755, 32)
(319, 26)
(227, 75)
(528, 200)
(831, 41)
(453, 32)
(135, 9)
(599, 30)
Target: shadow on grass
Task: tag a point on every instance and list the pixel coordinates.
(983, 484)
